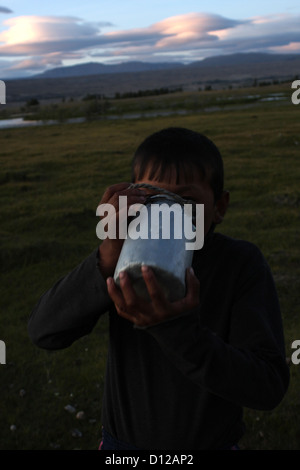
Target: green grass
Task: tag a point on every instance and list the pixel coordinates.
(51, 181)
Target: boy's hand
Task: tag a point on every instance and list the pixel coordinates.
(133, 308)
(109, 249)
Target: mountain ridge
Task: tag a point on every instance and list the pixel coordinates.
(98, 68)
(95, 68)
(217, 72)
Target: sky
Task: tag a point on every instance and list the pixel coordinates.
(36, 36)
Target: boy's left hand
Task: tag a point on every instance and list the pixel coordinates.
(142, 313)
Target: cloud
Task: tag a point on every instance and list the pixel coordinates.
(262, 34)
(43, 35)
(47, 41)
(40, 30)
(173, 32)
(290, 48)
(5, 10)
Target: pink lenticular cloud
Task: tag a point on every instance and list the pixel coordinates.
(180, 30)
(293, 47)
(29, 29)
(191, 37)
(198, 23)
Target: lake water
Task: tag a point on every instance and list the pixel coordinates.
(20, 122)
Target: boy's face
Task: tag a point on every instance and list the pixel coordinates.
(191, 185)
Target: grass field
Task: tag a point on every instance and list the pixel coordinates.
(51, 181)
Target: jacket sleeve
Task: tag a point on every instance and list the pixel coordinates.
(71, 308)
(248, 367)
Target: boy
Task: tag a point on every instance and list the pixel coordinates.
(178, 374)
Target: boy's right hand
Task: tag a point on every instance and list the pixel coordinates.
(109, 250)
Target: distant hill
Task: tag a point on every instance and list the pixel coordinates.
(233, 60)
(92, 78)
(96, 68)
(244, 58)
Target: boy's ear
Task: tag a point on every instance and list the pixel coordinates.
(221, 207)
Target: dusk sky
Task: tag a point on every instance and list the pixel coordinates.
(36, 36)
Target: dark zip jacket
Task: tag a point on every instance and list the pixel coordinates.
(183, 383)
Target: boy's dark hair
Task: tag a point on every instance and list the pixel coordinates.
(182, 149)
